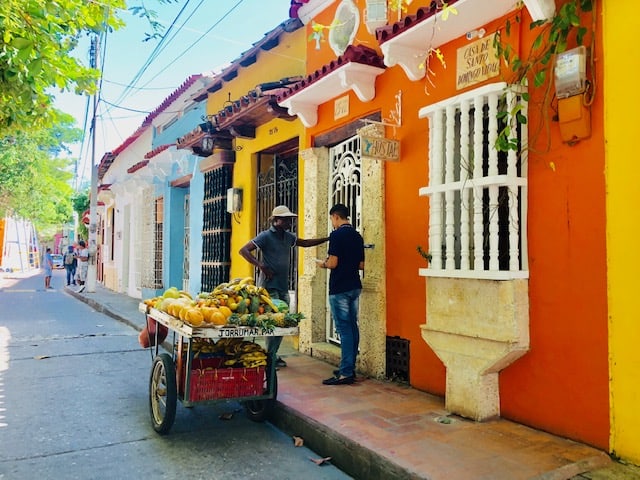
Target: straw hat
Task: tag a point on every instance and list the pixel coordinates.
(282, 211)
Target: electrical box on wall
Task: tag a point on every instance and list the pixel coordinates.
(571, 72)
(574, 118)
(571, 84)
(234, 200)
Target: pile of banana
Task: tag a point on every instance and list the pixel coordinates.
(241, 296)
(241, 353)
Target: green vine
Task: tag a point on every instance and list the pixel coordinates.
(426, 255)
(553, 38)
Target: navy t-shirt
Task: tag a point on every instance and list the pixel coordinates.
(346, 244)
(276, 254)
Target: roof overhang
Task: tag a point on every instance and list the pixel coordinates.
(356, 70)
(406, 43)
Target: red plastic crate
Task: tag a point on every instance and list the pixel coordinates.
(215, 383)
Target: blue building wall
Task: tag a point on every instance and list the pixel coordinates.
(174, 205)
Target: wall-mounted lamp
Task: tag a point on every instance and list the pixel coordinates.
(375, 15)
(479, 33)
(571, 84)
(207, 144)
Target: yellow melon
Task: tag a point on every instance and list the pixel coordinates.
(193, 316)
(218, 318)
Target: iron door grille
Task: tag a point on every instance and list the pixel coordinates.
(345, 187)
(216, 228)
(278, 185)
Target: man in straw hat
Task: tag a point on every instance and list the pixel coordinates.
(275, 245)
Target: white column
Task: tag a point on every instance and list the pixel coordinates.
(464, 191)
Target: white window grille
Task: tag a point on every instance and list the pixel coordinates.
(478, 195)
(151, 254)
(186, 245)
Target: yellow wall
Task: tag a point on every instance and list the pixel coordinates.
(244, 177)
(285, 60)
(623, 224)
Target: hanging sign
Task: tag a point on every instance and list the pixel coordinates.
(476, 62)
(380, 147)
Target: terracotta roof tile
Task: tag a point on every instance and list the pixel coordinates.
(109, 157)
(137, 166)
(158, 150)
(295, 6)
(387, 32)
(270, 40)
(256, 107)
(357, 54)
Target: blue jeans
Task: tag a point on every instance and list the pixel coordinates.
(71, 274)
(273, 343)
(344, 309)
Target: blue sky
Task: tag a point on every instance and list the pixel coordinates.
(206, 36)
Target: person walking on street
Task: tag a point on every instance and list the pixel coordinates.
(70, 264)
(47, 263)
(276, 244)
(345, 259)
(83, 264)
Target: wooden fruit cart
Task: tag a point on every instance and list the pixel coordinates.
(193, 380)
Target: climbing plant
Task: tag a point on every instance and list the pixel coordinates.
(536, 67)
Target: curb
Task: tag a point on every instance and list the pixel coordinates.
(99, 307)
(348, 455)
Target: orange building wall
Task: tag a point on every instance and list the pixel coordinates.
(561, 385)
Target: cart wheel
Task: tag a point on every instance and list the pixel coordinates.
(260, 410)
(162, 393)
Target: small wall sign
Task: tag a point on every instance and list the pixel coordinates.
(341, 107)
(476, 62)
(380, 147)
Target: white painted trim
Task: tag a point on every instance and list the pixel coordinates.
(309, 11)
(354, 76)
(477, 274)
(540, 9)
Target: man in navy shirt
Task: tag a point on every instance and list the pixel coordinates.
(276, 244)
(345, 260)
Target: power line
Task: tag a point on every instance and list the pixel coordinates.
(110, 82)
(123, 108)
(196, 42)
(151, 57)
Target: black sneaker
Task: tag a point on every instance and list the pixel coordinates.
(280, 363)
(339, 381)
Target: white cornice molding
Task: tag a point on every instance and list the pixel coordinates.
(409, 48)
(354, 76)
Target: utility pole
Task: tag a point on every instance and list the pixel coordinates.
(92, 272)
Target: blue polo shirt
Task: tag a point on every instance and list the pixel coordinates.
(276, 254)
(346, 244)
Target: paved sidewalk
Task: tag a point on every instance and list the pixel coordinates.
(383, 430)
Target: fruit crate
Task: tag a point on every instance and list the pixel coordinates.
(212, 383)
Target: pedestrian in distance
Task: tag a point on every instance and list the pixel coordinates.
(82, 255)
(345, 259)
(47, 264)
(70, 265)
(275, 244)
